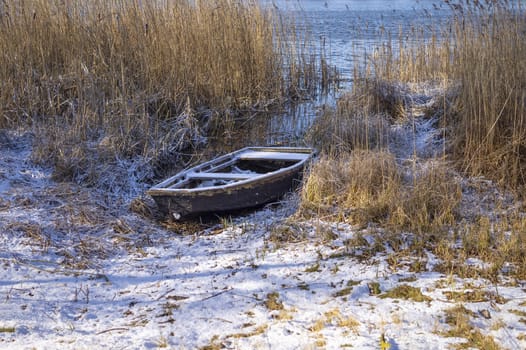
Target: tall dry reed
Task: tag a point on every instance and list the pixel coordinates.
(355, 123)
(425, 55)
(139, 77)
(483, 52)
(489, 137)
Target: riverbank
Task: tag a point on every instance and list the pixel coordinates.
(80, 270)
(408, 232)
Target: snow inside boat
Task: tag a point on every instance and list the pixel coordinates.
(246, 178)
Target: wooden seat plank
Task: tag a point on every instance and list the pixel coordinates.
(221, 176)
(262, 155)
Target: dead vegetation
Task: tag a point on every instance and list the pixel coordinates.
(482, 52)
(102, 81)
(490, 131)
(405, 291)
(359, 178)
(67, 221)
(369, 186)
(372, 171)
(273, 303)
(334, 317)
(362, 176)
(459, 319)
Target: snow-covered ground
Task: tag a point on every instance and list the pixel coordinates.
(79, 270)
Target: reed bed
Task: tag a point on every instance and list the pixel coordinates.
(480, 60)
(99, 79)
(489, 137)
(481, 53)
(355, 123)
(425, 55)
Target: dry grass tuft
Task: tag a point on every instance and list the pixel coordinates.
(459, 319)
(215, 344)
(143, 207)
(273, 302)
(501, 244)
(34, 232)
(259, 330)
(288, 232)
(429, 203)
(335, 318)
(353, 125)
(405, 291)
(360, 185)
(369, 186)
(381, 96)
(474, 296)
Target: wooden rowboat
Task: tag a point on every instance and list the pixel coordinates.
(246, 178)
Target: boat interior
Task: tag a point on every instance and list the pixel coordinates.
(233, 168)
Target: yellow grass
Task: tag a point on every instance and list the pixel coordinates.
(490, 63)
(367, 186)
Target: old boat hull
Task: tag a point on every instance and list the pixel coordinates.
(243, 179)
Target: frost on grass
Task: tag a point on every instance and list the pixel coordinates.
(80, 270)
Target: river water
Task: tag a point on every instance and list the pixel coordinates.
(348, 31)
(352, 29)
